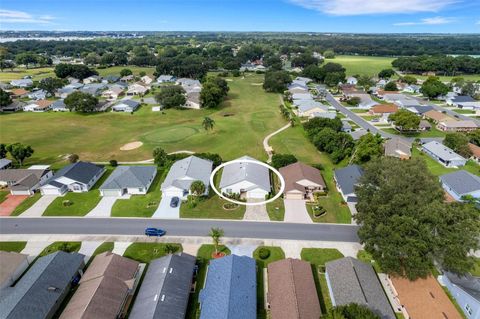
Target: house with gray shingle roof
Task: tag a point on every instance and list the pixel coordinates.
(126, 106)
(352, 281)
(230, 289)
(461, 183)
(24, 181)
(40, 292)
(183, 173)
(133, 180)
(165, 289)
(166, 79)
(248, 179)
(443, 154)
(346, 178)
(77, 177)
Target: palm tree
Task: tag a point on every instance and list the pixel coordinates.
(216, 234)
(208, 123)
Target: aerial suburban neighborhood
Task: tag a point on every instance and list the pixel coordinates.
(264, 171)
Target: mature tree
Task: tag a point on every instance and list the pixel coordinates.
(27, 59)
(353, 101)
(304, 60)
(405, 120)
(365, 82)
(334, 73)
(281, 160)
(351, 311)
(459, 143)
(171, 96)
(208, 123)
(107, 58)
(470, 89)
(78, 71)
(20, 152)
(81, 102)
(216, 234)
(409, 79)
(313, 72)
(433, 88)
(5, 98)
(92, 59)
(215, 158)
(329, 54)
(338, 144)
(73, 158)
(315, 125)
(386, 74)
(51, 85)
(197, 188)
(368, 147)
(6, 64)
(276, 81)
(391, 86)
(3, 150)
(160, 157)
(213, 92)
(273, 62)
(126, 72)
(405, 231)
(474, 137)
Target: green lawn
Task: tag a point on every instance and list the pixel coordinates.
(462, 111)
(358, 110)
(140, 205)
(245, 118)
(476, 269)
(294, 141)
(3, 195)
(433, 132)
(106, 246)
(82, 203)
(211, 207)
(438, 169)
(276, 253)
(26, 204)
(204, 255)
(356, 64)
(366, 257)
(276, 210)
(66, 246)
(146, 252)
(16, 246)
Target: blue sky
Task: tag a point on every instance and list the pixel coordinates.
(362, 16)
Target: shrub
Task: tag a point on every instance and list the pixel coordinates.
(73, 158)
(263, 253)
(113, 163)
(236, 73)
(171, 249)
(67, 203)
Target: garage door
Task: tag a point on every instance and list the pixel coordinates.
(173, 193)
(256, 194)
(294, 196)
(21, 192)
(50, 191)
(112, 192)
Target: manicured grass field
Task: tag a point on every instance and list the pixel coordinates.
(294, 141)
(146, 252)
(82, 203)
(463, 111)
(204, 255)
(276, 210)
(276, 253)
(433, 132)
(66, 246)
(140, 205)
(106, 246)
(16, 246)
(438, 169)
(366, 257)
(362, 64)
(211, 207)
(26, 204)
(245, 118)
(18, 73)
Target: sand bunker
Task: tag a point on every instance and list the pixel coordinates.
(131, 146)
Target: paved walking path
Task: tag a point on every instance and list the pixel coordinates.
(88, 248)
(267, 147)
(120, 247)
(34, 248)
(37, 209)
(256, 212)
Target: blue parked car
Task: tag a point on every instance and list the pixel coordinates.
(154, 232)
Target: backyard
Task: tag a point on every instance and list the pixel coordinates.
(438, 169)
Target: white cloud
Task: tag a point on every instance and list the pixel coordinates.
(362, 7)
(12, 16)
(428, 21)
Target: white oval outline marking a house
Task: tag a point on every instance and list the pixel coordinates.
(280, 192)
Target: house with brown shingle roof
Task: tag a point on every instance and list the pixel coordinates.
(424, 298)
(291, 290)
(475, 152)
(12, 266)
(436, 116)
(38, 106)
(15, 93)
(383, 109)
(301, 181)
(457, 126)
(398, 147)
(104, 288)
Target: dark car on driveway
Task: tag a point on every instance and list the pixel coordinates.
(174, 202)
(151, 231)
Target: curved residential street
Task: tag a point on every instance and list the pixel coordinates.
(184, 227)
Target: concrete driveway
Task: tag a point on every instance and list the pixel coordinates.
(296, 212)
(256, 212)
(37, 209)
(103, 208)
(10, 203)
(165, 211)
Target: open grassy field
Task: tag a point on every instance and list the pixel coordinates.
(245, 118)
(357, 64)
(18, 73)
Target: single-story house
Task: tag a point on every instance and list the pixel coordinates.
(126, 106)
(22, 83)
(249, 180)
(146, 79)
(38, 95)
(59, 106)
(127, 78)
(457, 126)
(230, 289)
(420, 109)
(169, 278)
(303, 79)
(424, 125)
(351, 281)
(399, 99)
(94, 89)
(42, 289)
(345, 179)
(437, 117)
(92, 79)
(38, 106)
(136, 89)
(306, 108)
(183, 173)
(166, 79)
(12, 266)
(18, 93)
(366, 101)
(346, 126)
(189, 85)
(463, 102)
(5, 163)
(14, 106)
(291, 290)
(295, 88)
(466, 291)
(352, 80)
(475, 152)
(383, 109)
(78, 177)
(444, 155)
(423, 298)
(461, 183)
(24, 181)
(301, 96)
(193, 100)
(131, 180)
(398, 147)
(412, 88)
(104, 288)
(111, 79)
(325, 115)
(302, 181)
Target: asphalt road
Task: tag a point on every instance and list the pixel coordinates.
(184, 227)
